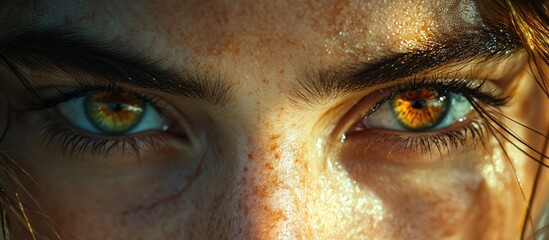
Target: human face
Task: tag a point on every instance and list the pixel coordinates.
(261, 130)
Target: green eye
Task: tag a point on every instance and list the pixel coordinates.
(114, 113)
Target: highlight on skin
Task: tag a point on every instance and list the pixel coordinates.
(417, 110)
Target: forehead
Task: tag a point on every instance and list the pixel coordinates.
(329, 30)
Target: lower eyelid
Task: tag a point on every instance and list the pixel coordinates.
(411, 148)
(104, 150)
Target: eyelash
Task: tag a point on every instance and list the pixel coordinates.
(86, 87)
(465, 86)
(75, 143)
(442, 139)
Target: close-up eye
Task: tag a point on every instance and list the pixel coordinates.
(94, 119)
(417, 117)
(278, 119)
(112, 114)
(419, 110)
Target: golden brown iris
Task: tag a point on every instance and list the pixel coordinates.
(420, 109)
(114, 113)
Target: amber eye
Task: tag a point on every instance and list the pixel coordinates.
(421, 109)
(114, 113)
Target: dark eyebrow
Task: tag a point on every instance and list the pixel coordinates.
(72, 51)
(480, 44)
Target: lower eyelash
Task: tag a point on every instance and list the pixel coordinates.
(466, 134)
(444, 141)
(470, 133)
(77, 145)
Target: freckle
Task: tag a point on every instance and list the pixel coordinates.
(275, 136)
(276, 216)
(265, 81)
(269, 166)
(277, 155)
(261, 192)
(281, 71)
(245, 210)
(273, 147)
(250, 157)
(245, 169)
(212, 52)
(228, 45)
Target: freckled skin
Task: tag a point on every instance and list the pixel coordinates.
(264, 176)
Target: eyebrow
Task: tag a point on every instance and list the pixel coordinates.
(70, 50)
(59, 48)
(480, 44)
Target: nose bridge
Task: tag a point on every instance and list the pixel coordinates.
(272, 186)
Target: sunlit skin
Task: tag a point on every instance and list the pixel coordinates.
(267, 164)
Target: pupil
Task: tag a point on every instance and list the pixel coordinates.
(116, 107)
(419, 104)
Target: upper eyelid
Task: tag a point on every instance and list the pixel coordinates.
(366, 105)
(59, 95)
(137, 72)
(452, 70)
(465, 86)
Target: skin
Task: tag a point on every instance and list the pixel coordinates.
(265, 165)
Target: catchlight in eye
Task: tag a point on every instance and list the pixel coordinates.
(420, 109)
(114, 113)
